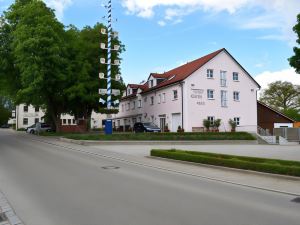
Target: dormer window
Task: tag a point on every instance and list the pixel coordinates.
(151, 83)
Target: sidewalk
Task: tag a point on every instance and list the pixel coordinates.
(7, 214)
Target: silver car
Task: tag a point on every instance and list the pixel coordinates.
(38, 127)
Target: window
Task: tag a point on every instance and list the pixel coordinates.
(175, 94)
(223, 78)
(210, 94)
(74, 122)
(133, 105)
(139, 103)
(25, 121)
(152, 100)
(128, 106)
(211, 119)
(64, 121)
(237, 120)
(224, 98)
(25, 108)
(36, 120)
(235, 76)
(36, 109)
(236, 96)
(151, 83)
(122, 107)
(164, 97)
(159, 98)
(69, 121)
(210, 73)
(152, 119)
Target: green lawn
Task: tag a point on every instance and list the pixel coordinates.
(274, 166)
(164, 136)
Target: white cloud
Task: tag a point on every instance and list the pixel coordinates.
(161, 23)
(59, 6)
(264, 14)
(268, 77)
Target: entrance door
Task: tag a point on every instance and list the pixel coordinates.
(162, 121)
(176, 121)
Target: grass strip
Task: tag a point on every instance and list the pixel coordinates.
(274, 166)
(192, 136)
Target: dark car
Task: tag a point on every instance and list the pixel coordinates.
(145, 127)
(5, 126)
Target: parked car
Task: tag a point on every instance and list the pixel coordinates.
(34, 128)
(5, 126)
(145, 127)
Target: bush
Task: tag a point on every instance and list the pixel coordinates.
(232, 124)
(206, 124)
(188, 136)
(274, 166)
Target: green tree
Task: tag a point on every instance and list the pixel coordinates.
(295, 60)
(84, 67)
(36, 43)
(292, 113)
(281, 96)
(5, 109)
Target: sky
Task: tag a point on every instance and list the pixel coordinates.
(160, 35)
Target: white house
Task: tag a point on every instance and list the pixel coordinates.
(27, 115)
(212, 87)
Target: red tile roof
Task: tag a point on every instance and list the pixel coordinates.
(182, 72)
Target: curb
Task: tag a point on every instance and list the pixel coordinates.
(8, 214)
(221, 142)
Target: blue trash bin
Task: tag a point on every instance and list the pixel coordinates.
(108, 127)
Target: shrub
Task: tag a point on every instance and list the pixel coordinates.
(217, 124)
(274, 166)
(233, 125)
(206, 124)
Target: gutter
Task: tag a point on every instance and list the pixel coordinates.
(181, 85)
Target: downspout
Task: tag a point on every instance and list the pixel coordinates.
(182, 124)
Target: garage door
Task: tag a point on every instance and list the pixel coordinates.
(176, 121)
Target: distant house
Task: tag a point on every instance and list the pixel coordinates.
(27, 115)
(269, 118)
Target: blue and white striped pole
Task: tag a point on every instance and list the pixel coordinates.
(108, 123)
(109, 55)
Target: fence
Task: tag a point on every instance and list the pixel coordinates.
(291, 134)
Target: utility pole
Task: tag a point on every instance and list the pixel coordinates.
(109, 92)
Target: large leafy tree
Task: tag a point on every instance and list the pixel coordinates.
(85, 53)
(36, 45)
(283, 96)
(48, 65)
(295, 60)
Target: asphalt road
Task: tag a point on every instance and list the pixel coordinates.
(49, 185)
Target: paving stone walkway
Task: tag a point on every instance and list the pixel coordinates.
(7, 214)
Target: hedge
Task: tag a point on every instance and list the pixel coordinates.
(273, 166)
(188, 136)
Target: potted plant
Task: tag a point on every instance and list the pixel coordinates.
(166, 128)
(206, 124)
(232, 123)
(180, 130)
(217, 124)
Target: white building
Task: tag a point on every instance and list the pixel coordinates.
(27, 115)
(211, 87)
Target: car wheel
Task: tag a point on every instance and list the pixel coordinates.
(32, 132)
